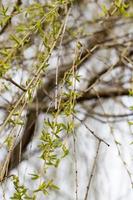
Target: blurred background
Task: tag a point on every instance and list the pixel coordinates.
(99, 36)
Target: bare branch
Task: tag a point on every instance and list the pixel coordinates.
(92, 172)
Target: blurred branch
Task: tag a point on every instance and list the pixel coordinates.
(116, 92)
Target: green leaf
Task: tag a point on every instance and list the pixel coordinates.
(34, 176)
(118, 143)
(130, 123)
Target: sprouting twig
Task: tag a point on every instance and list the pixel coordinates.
(18, 3)
(57, 68)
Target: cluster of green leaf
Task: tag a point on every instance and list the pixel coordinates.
(4, 15)
(23, 193)
(45, 186)
(122, 7)
(45, 22)
(35, 18)
(52, 147)
(69, 95)
(118, 7)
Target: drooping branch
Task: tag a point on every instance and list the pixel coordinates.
(49, 86)
(93, 44)
(92, 171)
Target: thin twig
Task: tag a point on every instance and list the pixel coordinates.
(92, 172)
(117, 145)
(92, 132)
(14, 83)
(75, 161)
(57, 68)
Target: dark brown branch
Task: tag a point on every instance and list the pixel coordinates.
(113, 115)
(110, 93)
(14, 83)
(104, 94)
